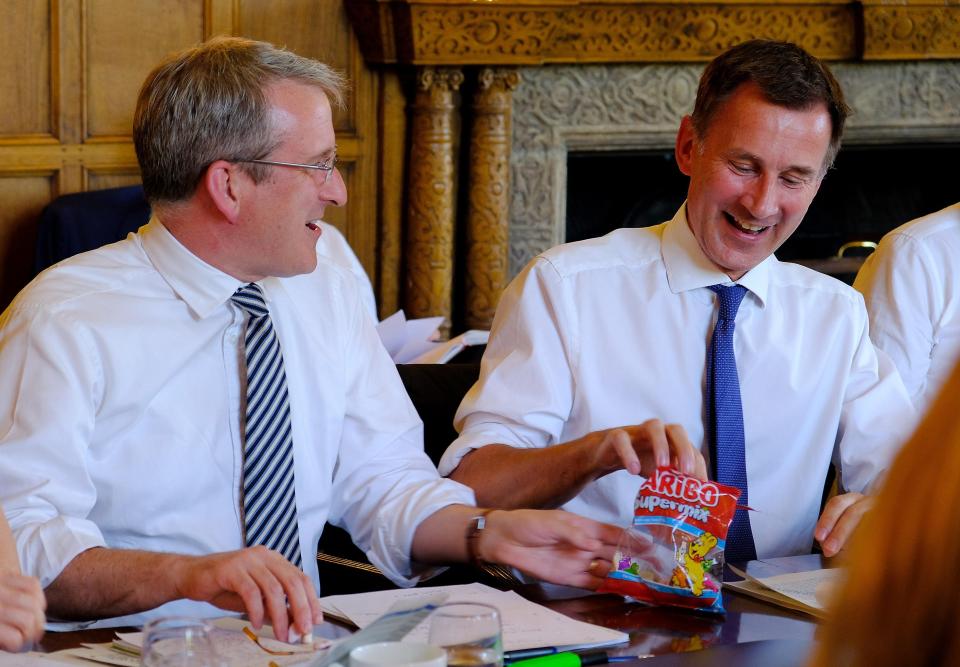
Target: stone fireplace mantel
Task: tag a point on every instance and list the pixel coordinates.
(499, 46)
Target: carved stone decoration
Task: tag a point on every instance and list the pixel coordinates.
(590, 108)
(892, 32)
(613, 107)
(488, 216)
(432, 195)
(625, 32)
(901, 102)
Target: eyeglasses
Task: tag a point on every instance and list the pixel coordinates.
(325, 169)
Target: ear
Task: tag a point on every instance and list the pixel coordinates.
(223, 183)
(687, 143)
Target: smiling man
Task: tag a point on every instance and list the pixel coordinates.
(182, 411)
(764, 367)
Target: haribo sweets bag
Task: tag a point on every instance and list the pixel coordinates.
(673, 552)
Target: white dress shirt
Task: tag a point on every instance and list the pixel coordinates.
(120, 419)
(334, 247)
(614, 331)
(911, 285)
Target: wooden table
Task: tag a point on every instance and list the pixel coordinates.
(751, 633)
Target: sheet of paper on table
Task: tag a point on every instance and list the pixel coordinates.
(525, 624)
(228, 639)
(807, 592)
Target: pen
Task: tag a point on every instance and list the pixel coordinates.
(565, 659)
(523, 654)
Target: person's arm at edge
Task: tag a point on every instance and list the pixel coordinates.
(103, 582)
(880, 417)
(512, 477)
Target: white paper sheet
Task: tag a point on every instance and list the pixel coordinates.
(807, 591)
(525, 624)
(404, 339)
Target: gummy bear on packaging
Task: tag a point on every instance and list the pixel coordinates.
(673, 552)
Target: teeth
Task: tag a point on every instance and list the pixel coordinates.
(748, 227)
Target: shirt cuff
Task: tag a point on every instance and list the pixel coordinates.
(45, 549)
(393, 538)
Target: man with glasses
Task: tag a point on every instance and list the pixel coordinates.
(182, 411)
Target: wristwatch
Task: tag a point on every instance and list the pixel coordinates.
(475, 527)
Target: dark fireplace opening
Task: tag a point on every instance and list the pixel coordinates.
(870, 190)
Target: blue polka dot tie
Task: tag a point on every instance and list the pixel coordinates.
(725, 419)
(269, 498)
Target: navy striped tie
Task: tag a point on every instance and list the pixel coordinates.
(269, 498)
(725, 419)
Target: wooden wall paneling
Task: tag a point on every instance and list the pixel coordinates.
(25, 89)
(123, 42)
(393, 129)
(362, 209)
(316, 29)
(68, 77)
(68, 85)
(23, 196)
(98, 179)
(219, 18)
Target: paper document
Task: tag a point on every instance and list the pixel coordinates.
(28, 659)
(525, 624)
(444, 352)
(229, 642)
(405, 340)
(403, 616)
(808, 592)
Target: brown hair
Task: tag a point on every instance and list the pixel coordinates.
(898, 604)
(207, 103)
(787, 76)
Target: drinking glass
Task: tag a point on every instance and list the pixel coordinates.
(178, 641)
(470, 633)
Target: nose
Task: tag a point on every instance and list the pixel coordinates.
(334, 191)
(760, 198)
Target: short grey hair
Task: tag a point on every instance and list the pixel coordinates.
(208, 103)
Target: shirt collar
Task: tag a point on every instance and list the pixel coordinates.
(688, 268)
(202, 287)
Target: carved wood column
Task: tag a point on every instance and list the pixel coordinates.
(489, 213)
(431, 210)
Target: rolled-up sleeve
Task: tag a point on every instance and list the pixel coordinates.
(525, 392)
(48, 402)
(384, 484)
(877, 415)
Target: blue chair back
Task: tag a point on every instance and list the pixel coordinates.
(82, 221)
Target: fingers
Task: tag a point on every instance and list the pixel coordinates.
(641, 449)
(588, 535)
(553, 545)
(21, 611)
(287, 593)
(840, 518)
(623, 446)
(684, 456)
(268, 587)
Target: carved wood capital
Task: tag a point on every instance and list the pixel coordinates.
(912, 31)
(561, 31)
